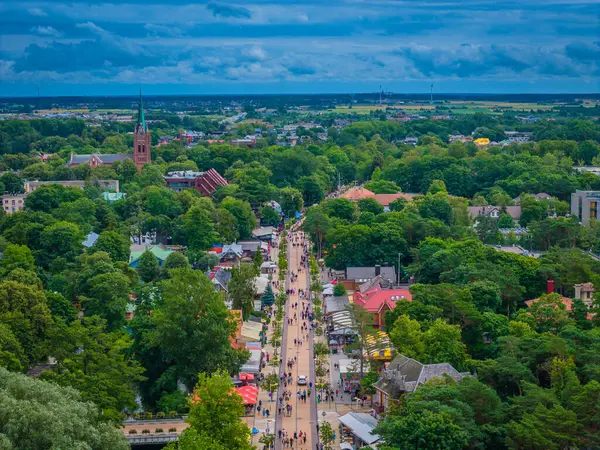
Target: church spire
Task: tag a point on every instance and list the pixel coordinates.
(141, 121)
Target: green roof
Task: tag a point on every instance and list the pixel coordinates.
(156, 251)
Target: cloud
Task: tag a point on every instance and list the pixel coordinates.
(255, 52)
(163, 30)
(220, 10)
(37, 12)
(583, 52)
(46, 31)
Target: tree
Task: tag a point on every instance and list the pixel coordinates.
(443, 344)
(148, 267)
(13, 183)
(291, 201)
(31, 410)
(190, 330)
(326, 435)
(107, 297)
(113, 243)
(62, 239)
(215, 416)
(339, 290)
(244, 216)
(549, 313)
(241, 289)
(23, 308)
(258, 259)
(176, 260)
(544, 428)
(369, 204)
(268, 298)
(366, 384)
(425, 429)
(269, 216)
(199, 228)
(437, 186)
(96, 363)
(407, 337)
(16, 257)
(366, 337)
(341, 208)
(316, 223)
(506, 221)
(312, 192)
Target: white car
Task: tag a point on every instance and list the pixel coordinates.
(302, 380)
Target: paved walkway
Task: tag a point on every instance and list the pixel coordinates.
(303, 414)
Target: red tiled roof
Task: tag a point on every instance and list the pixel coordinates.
(357, 193)
(564, 300)
(374, 300)
(386, 199)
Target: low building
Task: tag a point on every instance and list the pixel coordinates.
(538, 197)
(584, 205)
(405, 375)
(203, 182)
(357, 430)
(12, 203)
(159, 253)
(264, 233)
(585, 292)
(385, 199)
(377, 301)
(364, 274)
(494, 211)
(105, 185)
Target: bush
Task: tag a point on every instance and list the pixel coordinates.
(321, 349)
(146, 431)
(158, 430)
(172, 430)
(172, 414)
(160, 415)
(149, 416)
(339, 290)
(132, 431)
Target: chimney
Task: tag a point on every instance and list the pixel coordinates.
(377, 270)
(550, 287)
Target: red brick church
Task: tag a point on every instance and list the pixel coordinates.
(141, 148)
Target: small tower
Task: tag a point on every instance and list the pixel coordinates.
(141, 140)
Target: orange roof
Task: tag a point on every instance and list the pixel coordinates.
(386, 199)
(564, 300)
(356, 193)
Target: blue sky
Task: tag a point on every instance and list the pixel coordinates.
(175, 47)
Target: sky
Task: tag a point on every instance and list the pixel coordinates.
(99, 47)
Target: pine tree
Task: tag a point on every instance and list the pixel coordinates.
(267, 299)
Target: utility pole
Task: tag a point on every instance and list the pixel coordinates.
(399, 260)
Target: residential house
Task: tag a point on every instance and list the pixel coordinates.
(405, 375)
(220, 279)
(12, 203)
(356, 193)
(158, 251)
(482, 142)
(385, 199)
(585, 292)
(494, 211)
(231, 254)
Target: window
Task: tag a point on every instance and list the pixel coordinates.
(593, 210)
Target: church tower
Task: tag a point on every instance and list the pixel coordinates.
(141, 140)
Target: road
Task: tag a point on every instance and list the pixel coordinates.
(303, 415)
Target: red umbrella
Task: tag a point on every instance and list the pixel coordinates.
(249, 394)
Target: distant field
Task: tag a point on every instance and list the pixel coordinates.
(85, 111)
